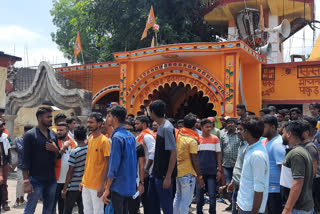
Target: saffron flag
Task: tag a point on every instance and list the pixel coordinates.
(152, 43)
(150, 22)
(77, 46)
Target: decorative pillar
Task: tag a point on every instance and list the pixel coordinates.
(230, 83)
(123, 84)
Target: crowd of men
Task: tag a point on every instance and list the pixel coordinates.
(266, 164)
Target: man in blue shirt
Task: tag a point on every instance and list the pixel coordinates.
(276, 152)
(254, 182)
(121, 183)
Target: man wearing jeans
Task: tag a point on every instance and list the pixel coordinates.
(121, 183)
(164, 166)
(236, 175)
(187, 165)
(209, 154)
(254, 182)
(229, 151)
(40, 153)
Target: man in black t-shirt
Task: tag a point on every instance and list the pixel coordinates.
(165, 158)
(40, 152)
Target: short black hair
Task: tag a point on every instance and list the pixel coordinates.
(97, 116)
(119, 112)
(242, 107)
(59, 116)
(298, 111)
(129, 122)
(285, 111)
(205, 121)
(295, 127)
(63, 124)
(254, 126)
(271, 120)
(143, 119)
(43, 110)
(265, 110)
(27, 127)
(180, 121)
(80, 133)
(189, 121)
(232, 120)
(282, 112)
(251, 113)
(272, 108)
(311, 120)
(305, 125)
(158, 107)
(70, 120)
(130, 115)
(172, 121)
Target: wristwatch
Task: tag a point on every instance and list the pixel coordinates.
(141, 182)
(63, 192)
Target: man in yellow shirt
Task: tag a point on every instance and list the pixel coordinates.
(96, 168)
(187, 165)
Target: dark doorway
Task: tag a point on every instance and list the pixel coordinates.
(181, 100)
(102, 104)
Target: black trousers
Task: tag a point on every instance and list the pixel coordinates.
(71, 199)
(274, 204)
(316, 194)
(59, 200)
(144, 198)
(119, 203)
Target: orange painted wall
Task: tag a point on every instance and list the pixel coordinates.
(251, 79)
(105, 78)
(286, 84)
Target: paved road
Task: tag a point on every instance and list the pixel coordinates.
(12, 196)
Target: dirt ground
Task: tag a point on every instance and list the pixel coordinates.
(12, 197)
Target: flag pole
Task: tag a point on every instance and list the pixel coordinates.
(82, 56)
(156, 43)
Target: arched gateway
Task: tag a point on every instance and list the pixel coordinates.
(184, 87)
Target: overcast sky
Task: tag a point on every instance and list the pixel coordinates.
(26, 26)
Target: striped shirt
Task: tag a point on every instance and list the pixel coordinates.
(207, 154)
(77, 160)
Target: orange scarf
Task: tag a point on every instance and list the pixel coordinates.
(143, 133)
(58, 161)
(188, 132)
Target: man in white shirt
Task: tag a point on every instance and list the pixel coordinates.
(147, 139)
(66, 144)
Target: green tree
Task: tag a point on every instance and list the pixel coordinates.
(108, 26)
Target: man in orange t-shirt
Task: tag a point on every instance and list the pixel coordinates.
(96, 168)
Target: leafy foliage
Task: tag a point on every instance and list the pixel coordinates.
(108, 26)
